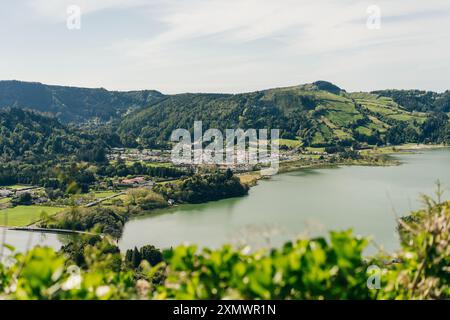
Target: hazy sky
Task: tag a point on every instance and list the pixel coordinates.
(227, 45)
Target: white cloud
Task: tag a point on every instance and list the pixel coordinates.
(55, 10)
(319, 24)
(240, 45)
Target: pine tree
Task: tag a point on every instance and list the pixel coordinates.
(136, 258)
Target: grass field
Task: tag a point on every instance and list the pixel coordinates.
(312, 149)
(290, 143)
(15, 187)
(104, 194)
(400, 148)
(147, 163)
(250, 178)
(95, 195)
(159, 164)
(364, 130)
(24, 215)
(5, 200)
(110, 202)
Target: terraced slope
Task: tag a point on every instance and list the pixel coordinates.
(318, 114)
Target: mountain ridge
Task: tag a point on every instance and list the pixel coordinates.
(73, 104)
(319, 113)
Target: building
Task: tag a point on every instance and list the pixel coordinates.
(133, 181)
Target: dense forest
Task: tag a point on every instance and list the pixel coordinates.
(417, 100)
(203, 188)
(39, 150)
(31, 137)
(71, 104)
(318, 114)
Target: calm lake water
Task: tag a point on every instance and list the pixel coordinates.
(307, 202)
(22, 240)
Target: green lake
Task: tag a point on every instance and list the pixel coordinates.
(306, 202)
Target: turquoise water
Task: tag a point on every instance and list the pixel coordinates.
(307, 202)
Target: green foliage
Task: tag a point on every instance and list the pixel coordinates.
(79, 252)
(120, 169)
(402, 133)
(149, 253)
(320, 114)
(305, 269)
(44, 274)
(145, 199)
(39, 150)
(203, 188)
(417, 100)
(72, 104)
(30, 137)
(436, 129)
(423, 271)
(24, 198)
(320, 268)
(100, 219)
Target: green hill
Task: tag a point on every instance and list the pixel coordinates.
(71, 104)
(317, 114)
(30, 137)
(417, 100)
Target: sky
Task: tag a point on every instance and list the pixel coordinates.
(231, 46)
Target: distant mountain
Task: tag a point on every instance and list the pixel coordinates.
(72, 104)
(319, 114)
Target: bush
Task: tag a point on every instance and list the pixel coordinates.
(203, 188)
(304, 269)
(146, 199)
(149, 253)
(22, 199)
(103, 220)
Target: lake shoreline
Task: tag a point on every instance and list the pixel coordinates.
(388, 161)
(369, 199)
(387, 153)
(213, 223)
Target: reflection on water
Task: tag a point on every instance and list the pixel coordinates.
(24, 240)
(307, 202)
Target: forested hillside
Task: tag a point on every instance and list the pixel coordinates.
(35, 148)
(30, 137)
(319, 114)
(417, 100)
(71, 104)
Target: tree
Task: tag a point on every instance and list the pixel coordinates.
(151, 254)
(22, 199)
(136, 258)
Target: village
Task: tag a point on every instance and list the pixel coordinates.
(24, 204)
